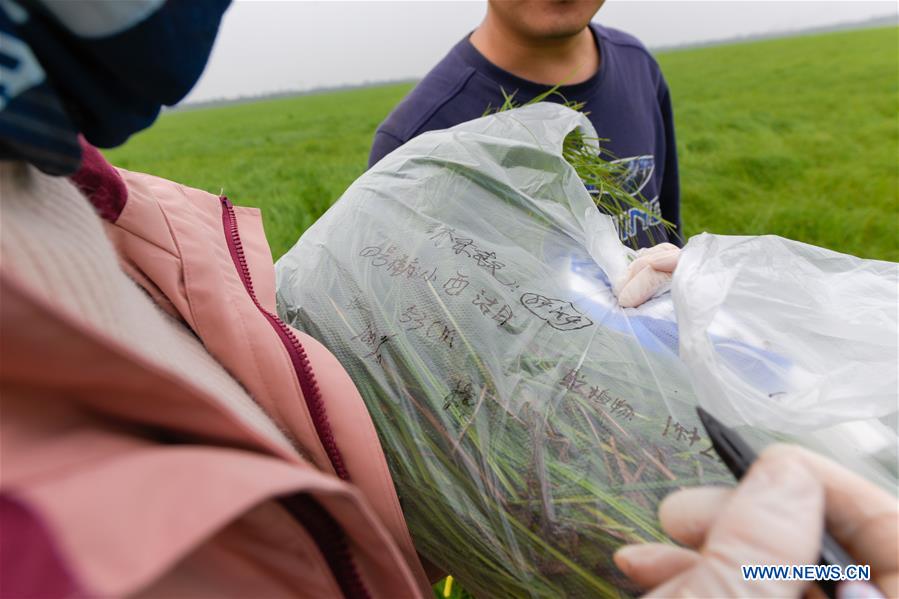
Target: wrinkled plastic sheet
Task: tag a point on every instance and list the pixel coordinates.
(531, 425)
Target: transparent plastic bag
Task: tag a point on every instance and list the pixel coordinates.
(530, 424)
(820, 327)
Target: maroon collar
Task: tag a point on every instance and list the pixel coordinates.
(100, 182)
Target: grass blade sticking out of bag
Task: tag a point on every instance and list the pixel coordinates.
(604, 177)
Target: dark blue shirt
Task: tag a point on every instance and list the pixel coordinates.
(627, 101)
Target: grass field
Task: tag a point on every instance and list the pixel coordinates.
(797, 137)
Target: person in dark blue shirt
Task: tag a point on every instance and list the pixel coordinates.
(525, 47)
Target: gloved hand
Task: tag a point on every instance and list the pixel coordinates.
(775, 516)
(647, 274)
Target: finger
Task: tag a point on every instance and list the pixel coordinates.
(641, 287)
(657, 248)
(653, 564)
(665, 261)
(662, 257)
(874, 544)
(632, 269)
(859, 590)
(639, 264)
(861, 516)
(774, 516)
(888, 583)
(776, 510)
(687, 515)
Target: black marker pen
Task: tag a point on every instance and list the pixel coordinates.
(738, 456)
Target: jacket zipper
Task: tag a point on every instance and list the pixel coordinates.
(321, 526)
(326, 532)
(298, 357)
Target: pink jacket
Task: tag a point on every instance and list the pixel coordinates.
(216, 509)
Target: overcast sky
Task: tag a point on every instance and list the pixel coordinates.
(270, 45)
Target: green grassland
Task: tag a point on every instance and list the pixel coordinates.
(797, 137)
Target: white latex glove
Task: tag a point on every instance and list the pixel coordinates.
(775, 516)
(647, 274)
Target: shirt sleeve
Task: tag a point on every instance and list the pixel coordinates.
(669, 196)
(383, 144)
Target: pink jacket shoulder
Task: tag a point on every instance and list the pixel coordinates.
(327, 502)
(211, 260)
